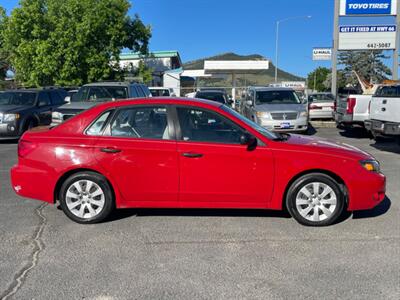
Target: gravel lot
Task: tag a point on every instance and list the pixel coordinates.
(202, 254)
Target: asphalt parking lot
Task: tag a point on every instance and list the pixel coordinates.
(201, 254)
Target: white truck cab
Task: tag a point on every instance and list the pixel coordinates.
(385, 112)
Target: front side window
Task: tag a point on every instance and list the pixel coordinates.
(44, 99)
(98, 125)
(206, 126)
(141, 122)
(277, 97)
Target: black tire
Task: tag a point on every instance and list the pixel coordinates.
(106, 196)
(305, 181)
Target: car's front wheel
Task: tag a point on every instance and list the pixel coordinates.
(86, 198)
(315, 199)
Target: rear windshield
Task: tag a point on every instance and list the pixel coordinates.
(277, 97)
(159, 93)
(388, 91)
(218, 97)
(321, 97)
(18, 98)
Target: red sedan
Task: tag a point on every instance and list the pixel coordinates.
(190, 153)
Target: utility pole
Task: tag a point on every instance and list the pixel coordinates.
(335, 47)
(396, 50)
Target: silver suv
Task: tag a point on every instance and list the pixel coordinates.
(276, 109)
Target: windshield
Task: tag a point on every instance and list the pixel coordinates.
(252, 124)
(218, 97)
(17, 98)
(277, 97)
(100, 93)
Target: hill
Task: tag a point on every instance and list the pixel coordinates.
(261, 78)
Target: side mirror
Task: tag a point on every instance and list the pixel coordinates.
(249, 140)
(67, 99)
(249, 103)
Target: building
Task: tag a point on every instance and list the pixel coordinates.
(159, 61)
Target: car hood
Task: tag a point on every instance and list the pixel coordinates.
(280, 107)
(13, 108)
(326, 146)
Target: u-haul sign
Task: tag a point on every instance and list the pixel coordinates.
(368, 7)
(322, 54)
(367, 37)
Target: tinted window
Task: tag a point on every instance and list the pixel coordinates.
(218, 97)
(134, 93)
(141, 122)
(146, 90)
(388, 91)
(81, 95)
(277, 97)
(44, 99)
(207, 126)
(160, 92)
(98, 125)
(139, 91)
(17, 98)
(57, 97)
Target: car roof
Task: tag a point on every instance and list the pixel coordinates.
(33, 90)
(160, 100)
(211, 91)
(270, 88)
(112, 83)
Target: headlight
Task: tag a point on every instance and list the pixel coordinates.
(371, 165)
(263, 115)
(304, 114)
(10, 117)
(56, 115)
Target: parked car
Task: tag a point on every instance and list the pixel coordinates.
(276, 109)
(92, 94)
(352, 108)
(24, 109)
(70, 93)
(321, 106)
(385, 112)
(162, 92)
(185, 153)
(213, 95)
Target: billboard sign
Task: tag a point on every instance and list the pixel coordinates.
(382, 37)
(322, 54)
(367, 7)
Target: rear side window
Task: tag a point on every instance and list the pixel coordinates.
(388, 91)
(97, 127)
(141, 122)
(44, 99)
(57, 97)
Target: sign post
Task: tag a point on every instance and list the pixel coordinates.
(395, 70)
(335, 47)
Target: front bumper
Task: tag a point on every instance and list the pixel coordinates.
(9, 131)
(384, 128)
(297, 125)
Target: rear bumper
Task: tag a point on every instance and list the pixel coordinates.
(32, 183)
(367, 191)
(384, 128)
(343, 118)
(320, 114)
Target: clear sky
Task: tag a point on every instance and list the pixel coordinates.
(201, 28)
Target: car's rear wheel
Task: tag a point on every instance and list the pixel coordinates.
(86, 197)
(315, 199)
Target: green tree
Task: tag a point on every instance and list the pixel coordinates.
(71, 42)
(368, 64)
(3, 54)
(317, 78)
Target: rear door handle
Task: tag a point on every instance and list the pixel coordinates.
(110, 150)
(192, 155)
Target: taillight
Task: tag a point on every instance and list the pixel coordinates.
(25, 147)
(351, 103)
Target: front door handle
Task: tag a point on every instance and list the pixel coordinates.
(110, 150)
(192, 155)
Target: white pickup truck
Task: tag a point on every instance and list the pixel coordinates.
(352, 110)
(385, 112)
